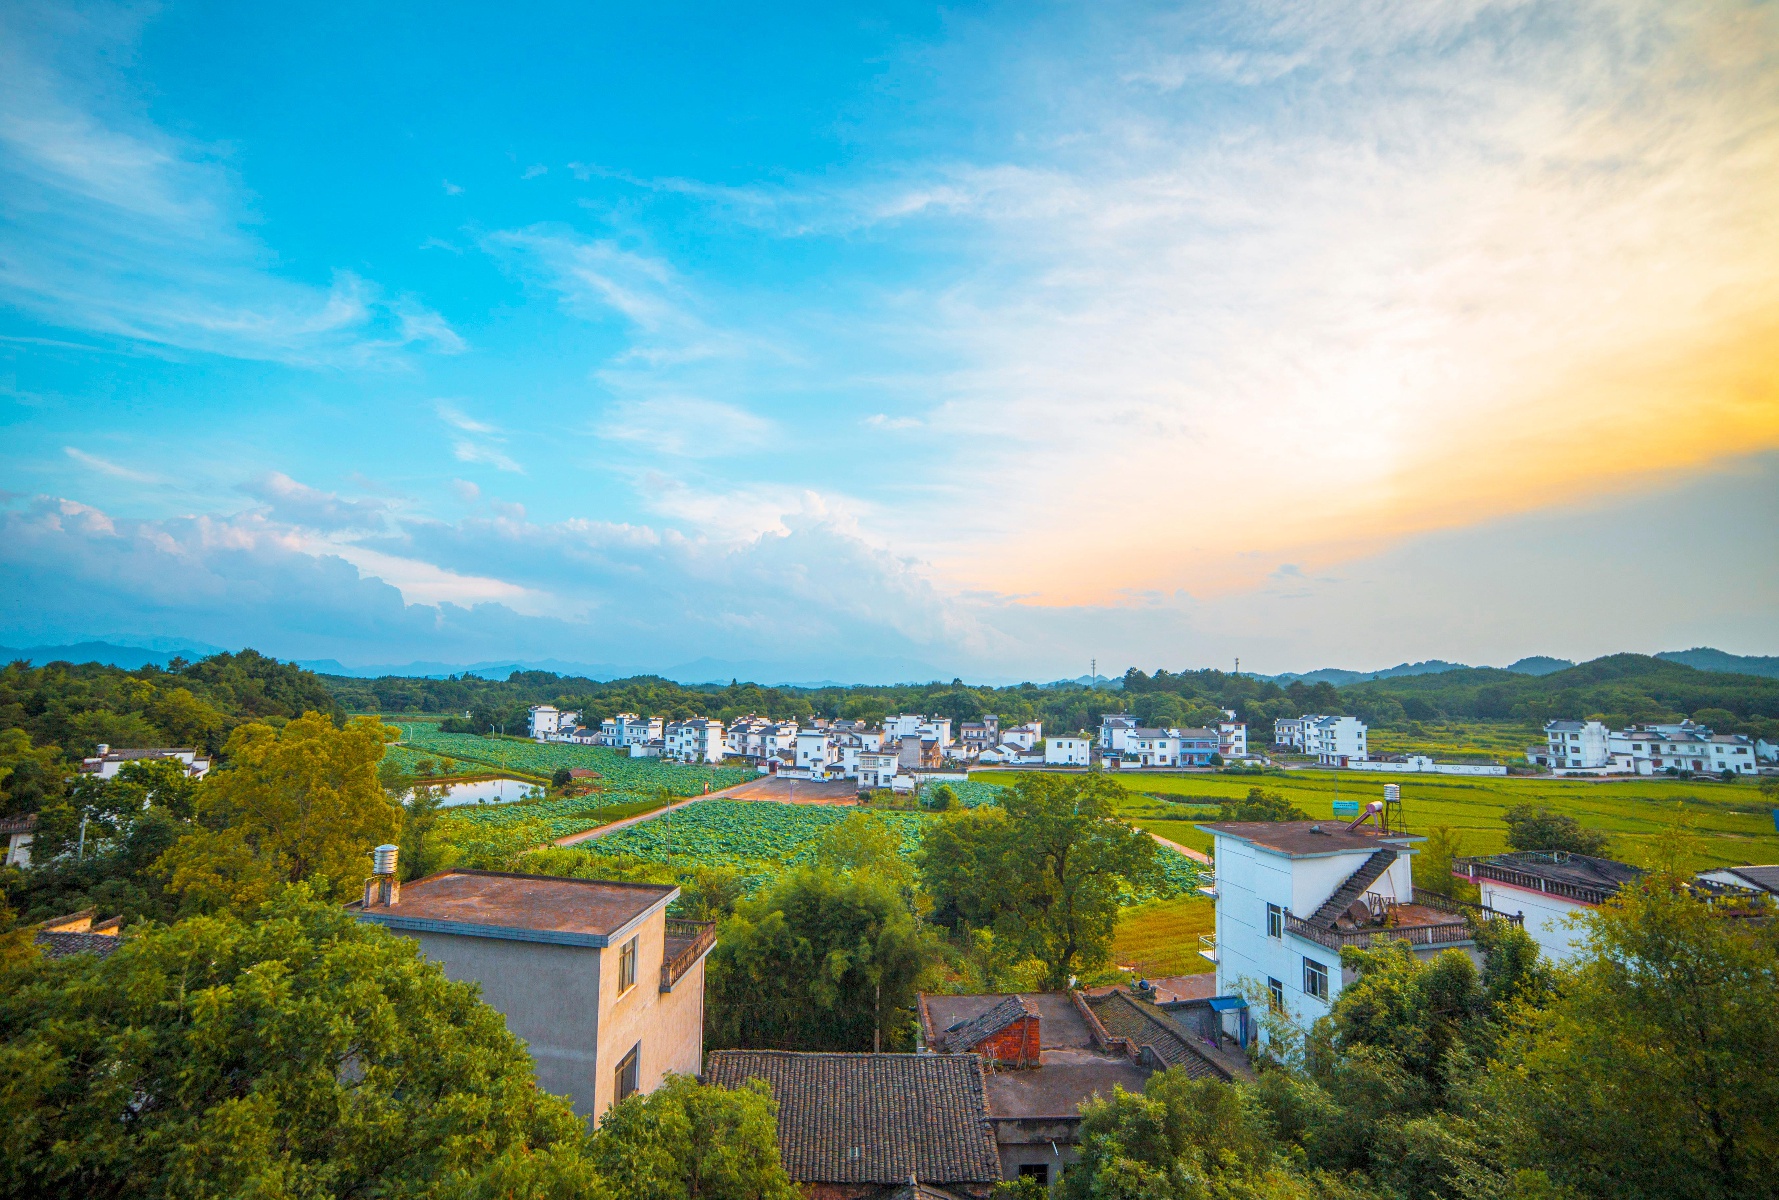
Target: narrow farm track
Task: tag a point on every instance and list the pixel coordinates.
(1194, 855)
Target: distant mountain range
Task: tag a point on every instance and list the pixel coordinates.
(135, 653)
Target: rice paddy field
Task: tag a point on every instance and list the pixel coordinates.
(1161, 937)
(1460, 741)
(1723, 824)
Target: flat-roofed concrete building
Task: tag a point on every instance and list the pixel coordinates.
(605, 988)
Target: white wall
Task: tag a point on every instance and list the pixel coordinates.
(1545, 915)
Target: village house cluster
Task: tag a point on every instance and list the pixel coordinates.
(894, 754)
(1590, 748)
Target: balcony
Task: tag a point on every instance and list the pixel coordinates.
(1207, 946)
(1414, 932)
(687, 942)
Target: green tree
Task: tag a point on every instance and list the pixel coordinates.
(302, 1054)
(1534, 827)
(561, 778)
(865, 841)
(685, 1141)
(1650, 1072)
(297, 803)
(819, 961)
(1261, 805)
(1186, 1139)
(1045, 869)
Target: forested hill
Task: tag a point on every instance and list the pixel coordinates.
(1622, 688)
(74, 707)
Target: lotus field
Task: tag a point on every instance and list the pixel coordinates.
(757, 837)
(618, 772)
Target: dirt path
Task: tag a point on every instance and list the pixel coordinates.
(748, 789)
(1194, 855)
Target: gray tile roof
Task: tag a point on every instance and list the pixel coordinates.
(873, 1118)
(1125, 1016)
(967, 1034)
(61, 945)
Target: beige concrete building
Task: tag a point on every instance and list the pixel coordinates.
(606, 989)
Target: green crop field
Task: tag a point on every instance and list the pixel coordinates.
(618, 772)
(1729, 824)
(758, 837)
(1161, 937)
(570, 814)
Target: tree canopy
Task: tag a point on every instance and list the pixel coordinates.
(1044, 870)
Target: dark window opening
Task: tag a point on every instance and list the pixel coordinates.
(629, 1074)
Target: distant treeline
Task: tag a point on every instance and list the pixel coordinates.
(1621, 689)
(76, 707)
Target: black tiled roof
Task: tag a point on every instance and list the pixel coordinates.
(967, 1034)
(1125, 1016)
(61, 945)
(873, 1118)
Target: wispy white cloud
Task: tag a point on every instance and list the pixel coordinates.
(119, 229)
(685, 426)
(885, 421)
(475, 452)
(106, 467)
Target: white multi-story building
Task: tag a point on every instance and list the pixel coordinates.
(1232, 739)
(1291, 894)
(1068, 751)
(626, 728)
(1288, 731)
(758, 737)
(817, 752)
(1026, 736)
(1334, 740)
(543, 721)
(1577, 744)
(1114, 729)
(1170, 747)
(877, 769)
(976, 736)
(698, 740)
(916, 725)
(1588, 747)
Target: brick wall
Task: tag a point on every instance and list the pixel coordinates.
(1018, 1043)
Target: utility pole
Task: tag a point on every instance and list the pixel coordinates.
(1238, 664)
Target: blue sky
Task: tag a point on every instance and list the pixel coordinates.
(978, 340)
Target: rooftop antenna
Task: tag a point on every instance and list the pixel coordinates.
(1238, 664)
(1093, 673)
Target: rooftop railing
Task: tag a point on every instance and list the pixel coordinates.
(1446, 933)
(686, 943)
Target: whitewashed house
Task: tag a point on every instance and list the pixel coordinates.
(877, 769)
(1291, 894)
(1068, 751)
(1114, 729)
(108, 762)
(817, 752)
(1545, 890)
(1570, 744)
(1335, 740)
(1026, 736)
(698, 740)
(1232, 739)
(976, 736)
(626, 728)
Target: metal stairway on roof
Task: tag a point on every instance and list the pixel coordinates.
(1344, 895)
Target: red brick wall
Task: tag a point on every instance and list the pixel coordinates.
(1018, 1043)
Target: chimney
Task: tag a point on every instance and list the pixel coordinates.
(383, 888)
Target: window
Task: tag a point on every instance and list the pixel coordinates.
(627, 967)
(628, 1077)
(1315, 979)
(1038, 1171)
(1275, 994)
(1275, 921)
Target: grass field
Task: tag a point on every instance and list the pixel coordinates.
(1456, 741)
(1161, 937)
(1729, 824)
(537, 760)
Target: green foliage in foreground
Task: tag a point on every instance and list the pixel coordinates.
(1643, 1070)
(306, 1054)
(822, 960)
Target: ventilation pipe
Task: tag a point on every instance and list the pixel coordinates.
(383, 888)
